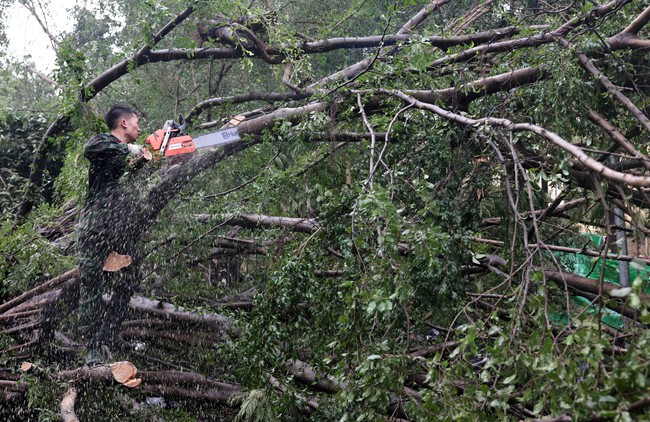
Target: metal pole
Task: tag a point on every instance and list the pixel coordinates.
(621, 242)
(621, 239)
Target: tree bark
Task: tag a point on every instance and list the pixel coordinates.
(177, 313)
(67, 406)
(39, 289)
(587, 284)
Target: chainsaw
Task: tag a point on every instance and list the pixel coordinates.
(172, 140)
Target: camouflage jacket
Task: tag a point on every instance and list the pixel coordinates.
(108, 162)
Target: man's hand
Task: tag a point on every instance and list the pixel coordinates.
(140, 152)
(136, 150)
(142, 155)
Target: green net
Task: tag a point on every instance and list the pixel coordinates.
(591, 267)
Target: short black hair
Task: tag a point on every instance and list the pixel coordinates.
(117, 112)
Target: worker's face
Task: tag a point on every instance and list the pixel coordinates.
(131, 128)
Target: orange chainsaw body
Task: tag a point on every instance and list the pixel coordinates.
(178, 143)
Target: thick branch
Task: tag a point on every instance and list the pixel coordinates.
(619, 138)
(193, 339)
(178, 313)
(457, 95)
(319, 47)
(306, 374)
(623, 41)
(242, 98)
(41, 75)
(96, 374)
(638, 23)
(557, 211)
(532, 41)
(566, 249)
(613, 305)
(251, 221)
(166, 383)
(443, 43)
(67, 406)
(12, 316)
(581, 156)
(586, 284)
(11, 385)
(485, 86)
(497, 47)
(213, 395)
(38, 290)
(628, 38)
(359, 67)
(139, 58)
(609, 86)
(430, 350)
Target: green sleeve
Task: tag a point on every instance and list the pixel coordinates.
(103, 147)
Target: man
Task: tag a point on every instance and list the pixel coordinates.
(108, 154)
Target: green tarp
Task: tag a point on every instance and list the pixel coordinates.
(591, 267)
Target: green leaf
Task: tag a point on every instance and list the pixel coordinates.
(494, 330)
(641, 379)
(621, 292)
(510, 379)
(638, 264)
(548, 345)
(645, 317)
(455, 352)
(607, 399)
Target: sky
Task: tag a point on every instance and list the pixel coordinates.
(26, 36)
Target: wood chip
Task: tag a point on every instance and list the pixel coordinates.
(133, 382)
(147, 155)
(236, 120)
(116, 262)
(123, 371)
(26, 366)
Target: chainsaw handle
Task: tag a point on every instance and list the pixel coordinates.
(181, 123)
(168, 124)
